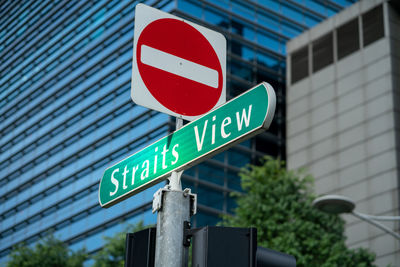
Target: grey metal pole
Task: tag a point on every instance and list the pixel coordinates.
(175, 179)
(174, 207)
(170, 251)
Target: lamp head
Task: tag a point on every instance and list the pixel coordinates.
(334, 204)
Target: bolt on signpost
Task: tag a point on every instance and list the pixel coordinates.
(179, 69)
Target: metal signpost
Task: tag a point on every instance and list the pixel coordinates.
(179, 68)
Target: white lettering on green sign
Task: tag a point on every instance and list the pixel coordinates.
(226, 121)
(141, 171)
(236, 120)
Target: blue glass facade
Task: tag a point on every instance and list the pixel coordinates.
(66, 112)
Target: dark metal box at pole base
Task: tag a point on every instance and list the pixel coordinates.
(224, 246)
(234, 247)
(212, 246)
(140, 248)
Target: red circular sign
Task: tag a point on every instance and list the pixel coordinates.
(179, 40)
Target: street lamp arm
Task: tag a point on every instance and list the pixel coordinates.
(368, 219)
(381, 218)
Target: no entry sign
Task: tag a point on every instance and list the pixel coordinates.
(178, 67)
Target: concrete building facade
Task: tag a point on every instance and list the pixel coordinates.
(343, 115)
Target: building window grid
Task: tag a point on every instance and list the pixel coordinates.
(57, 226)
(79, 215)
(67, 122)
(65, 143)
(8, 7)
(252, 68)
(52, 170)
(256, 48)
(78, 175)
(107, 225)
(11, 21)
(38, 92)
(279, 17)
(100, 163)
(64, 89)
(210, 7)
(196, 181)
(43, 17)
(7, 145)
(80, 43)
(33, 112)
(27, 40)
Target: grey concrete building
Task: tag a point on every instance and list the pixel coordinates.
(343, 112)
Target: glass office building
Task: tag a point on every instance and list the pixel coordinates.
(66, 113)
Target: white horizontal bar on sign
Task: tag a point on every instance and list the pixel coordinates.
(178, 66)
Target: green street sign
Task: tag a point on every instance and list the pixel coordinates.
(241, 118)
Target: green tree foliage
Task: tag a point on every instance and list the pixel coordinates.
(278, 203)
(113, 252)
(48, 252)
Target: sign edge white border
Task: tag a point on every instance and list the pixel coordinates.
(136, 81)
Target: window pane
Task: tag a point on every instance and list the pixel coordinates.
(322, 52)
(216, 18)
(210, 197)
(241, 70)
(190, 8)
(372, 25)
(212, 174)
(268, 144)
(202, 219)
(348, 38)
(238, 158)
(299, 60)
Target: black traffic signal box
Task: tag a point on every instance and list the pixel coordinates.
(212, 246)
